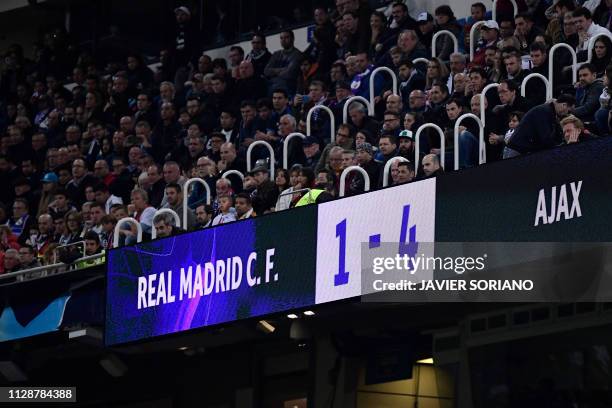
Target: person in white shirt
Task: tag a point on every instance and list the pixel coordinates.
(587, 29)
(105, 198)
(227, 213)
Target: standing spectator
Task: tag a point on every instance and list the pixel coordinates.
(259, 55)
(283, 67)
(446, 20)
(540, 129)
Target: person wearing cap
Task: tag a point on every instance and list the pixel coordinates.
(365, 160)
(312, 151)
(540, 127)
(186, 43)
(489, 35)
(426, 27)
(405, 141)
(446, 20)
(49, 187)
(265, 195)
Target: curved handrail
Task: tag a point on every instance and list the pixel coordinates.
(443, 32)
(591, 44)
(417, 137)
(540, 76)
(374, 73)
(388, 168)
(483, 95)
(286, 148)
(473, 37)
(352, 99)
(494, 10)
(117, 227)
(177, 220)
(420, 60)
(186, 193)
(345, 173)
(236, 172)
(551, 71)
(270, 149)
(332, 119)
(482, 156)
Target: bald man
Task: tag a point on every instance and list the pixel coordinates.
(431, 166)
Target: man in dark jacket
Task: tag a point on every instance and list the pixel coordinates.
(587, 95)
(540, 129)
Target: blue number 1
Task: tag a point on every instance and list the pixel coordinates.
(341, 278)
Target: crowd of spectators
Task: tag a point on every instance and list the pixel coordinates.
(84, 146)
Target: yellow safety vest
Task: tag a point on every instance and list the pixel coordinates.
(309, 198)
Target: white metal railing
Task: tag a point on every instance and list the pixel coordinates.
(173, 213)
(345, 108)
(481, 142)
(236, 172)
(376, 72)
(286, 149)
(444, 32)
(188, 183)
(494, 10)
(417, 158)
(473, 37)
(483, 96)
(118, 227)
(420, 60)
(388, 168)
(250, 151)
(541, 77)
(332, 120)
(346, 172)
(551, 64)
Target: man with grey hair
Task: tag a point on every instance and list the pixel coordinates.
(164, 225)
(295, 154)
(458, 65)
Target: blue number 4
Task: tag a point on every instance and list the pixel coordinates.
(342, 277)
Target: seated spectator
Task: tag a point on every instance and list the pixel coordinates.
(574, 130)
(227, 213)
(587, 94)
(410, 79)
(11, 262)
(164, 225)
(431, 166)
(602, 54)
(28, 260)
(204, 215)
(489, 35)
(514, 68)
(436, 72)
(174, 195)
(243, 206)
(515, 119)
(405, 172)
